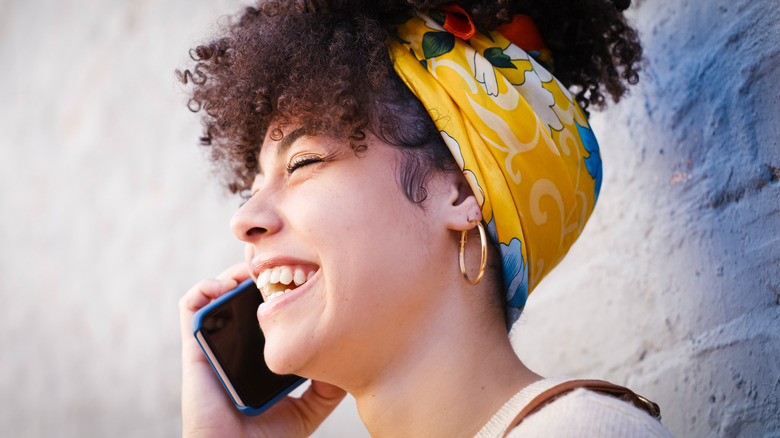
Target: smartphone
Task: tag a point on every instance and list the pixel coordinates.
(230, 336)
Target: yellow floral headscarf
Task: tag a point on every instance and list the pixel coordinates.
(524, 145)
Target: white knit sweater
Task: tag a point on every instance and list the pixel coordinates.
(580, 413)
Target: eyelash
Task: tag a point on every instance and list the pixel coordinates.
(300, 161)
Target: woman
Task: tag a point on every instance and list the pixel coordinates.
(371, 139)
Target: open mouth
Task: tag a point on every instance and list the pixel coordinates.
(277, 281)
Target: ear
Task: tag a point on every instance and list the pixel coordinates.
(459, 207)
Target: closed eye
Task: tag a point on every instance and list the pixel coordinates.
(299, 161)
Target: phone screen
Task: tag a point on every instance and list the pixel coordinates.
(233, 334)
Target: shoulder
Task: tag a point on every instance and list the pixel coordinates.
(584, 413)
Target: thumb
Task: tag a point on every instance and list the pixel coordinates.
(318, 402)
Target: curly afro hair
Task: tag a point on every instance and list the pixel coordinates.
(324, 65)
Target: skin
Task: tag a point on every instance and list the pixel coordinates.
(387, 317)
(207, 411)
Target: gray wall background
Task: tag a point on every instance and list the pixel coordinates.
(109, 214)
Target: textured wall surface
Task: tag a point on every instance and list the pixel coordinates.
(108, 215)
(674, 288)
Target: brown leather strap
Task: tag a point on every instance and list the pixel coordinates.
(599, 386)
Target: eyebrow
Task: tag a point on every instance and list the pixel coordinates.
(285, 143)
(289, 139)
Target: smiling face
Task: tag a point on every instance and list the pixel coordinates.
(359, 259)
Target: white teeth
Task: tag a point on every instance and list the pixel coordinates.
(275, 274)
(285, 275)
(299, 277)
(272, 281)
(263, 278)
(274, 295)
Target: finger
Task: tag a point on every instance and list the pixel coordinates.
(201, 294)
(318, 402)
(326, 391)
(204, 292)
(238, 272)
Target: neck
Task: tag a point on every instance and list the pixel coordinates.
(448, 382)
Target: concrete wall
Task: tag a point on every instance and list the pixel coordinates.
(109, 214)
(674, 288)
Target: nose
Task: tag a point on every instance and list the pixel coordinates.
(254, 219)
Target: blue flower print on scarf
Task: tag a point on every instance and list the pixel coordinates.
(514, 267)
(592, 161)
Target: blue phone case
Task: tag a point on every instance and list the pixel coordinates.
(197, 321)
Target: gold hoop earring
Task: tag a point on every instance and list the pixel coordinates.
(462, 255)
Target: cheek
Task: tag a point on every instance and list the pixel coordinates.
(350, 208)
(373, 246)
(359, 225)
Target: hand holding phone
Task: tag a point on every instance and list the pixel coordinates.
(230, 336)
(205, 406)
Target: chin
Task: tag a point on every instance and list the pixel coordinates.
(284, 359)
